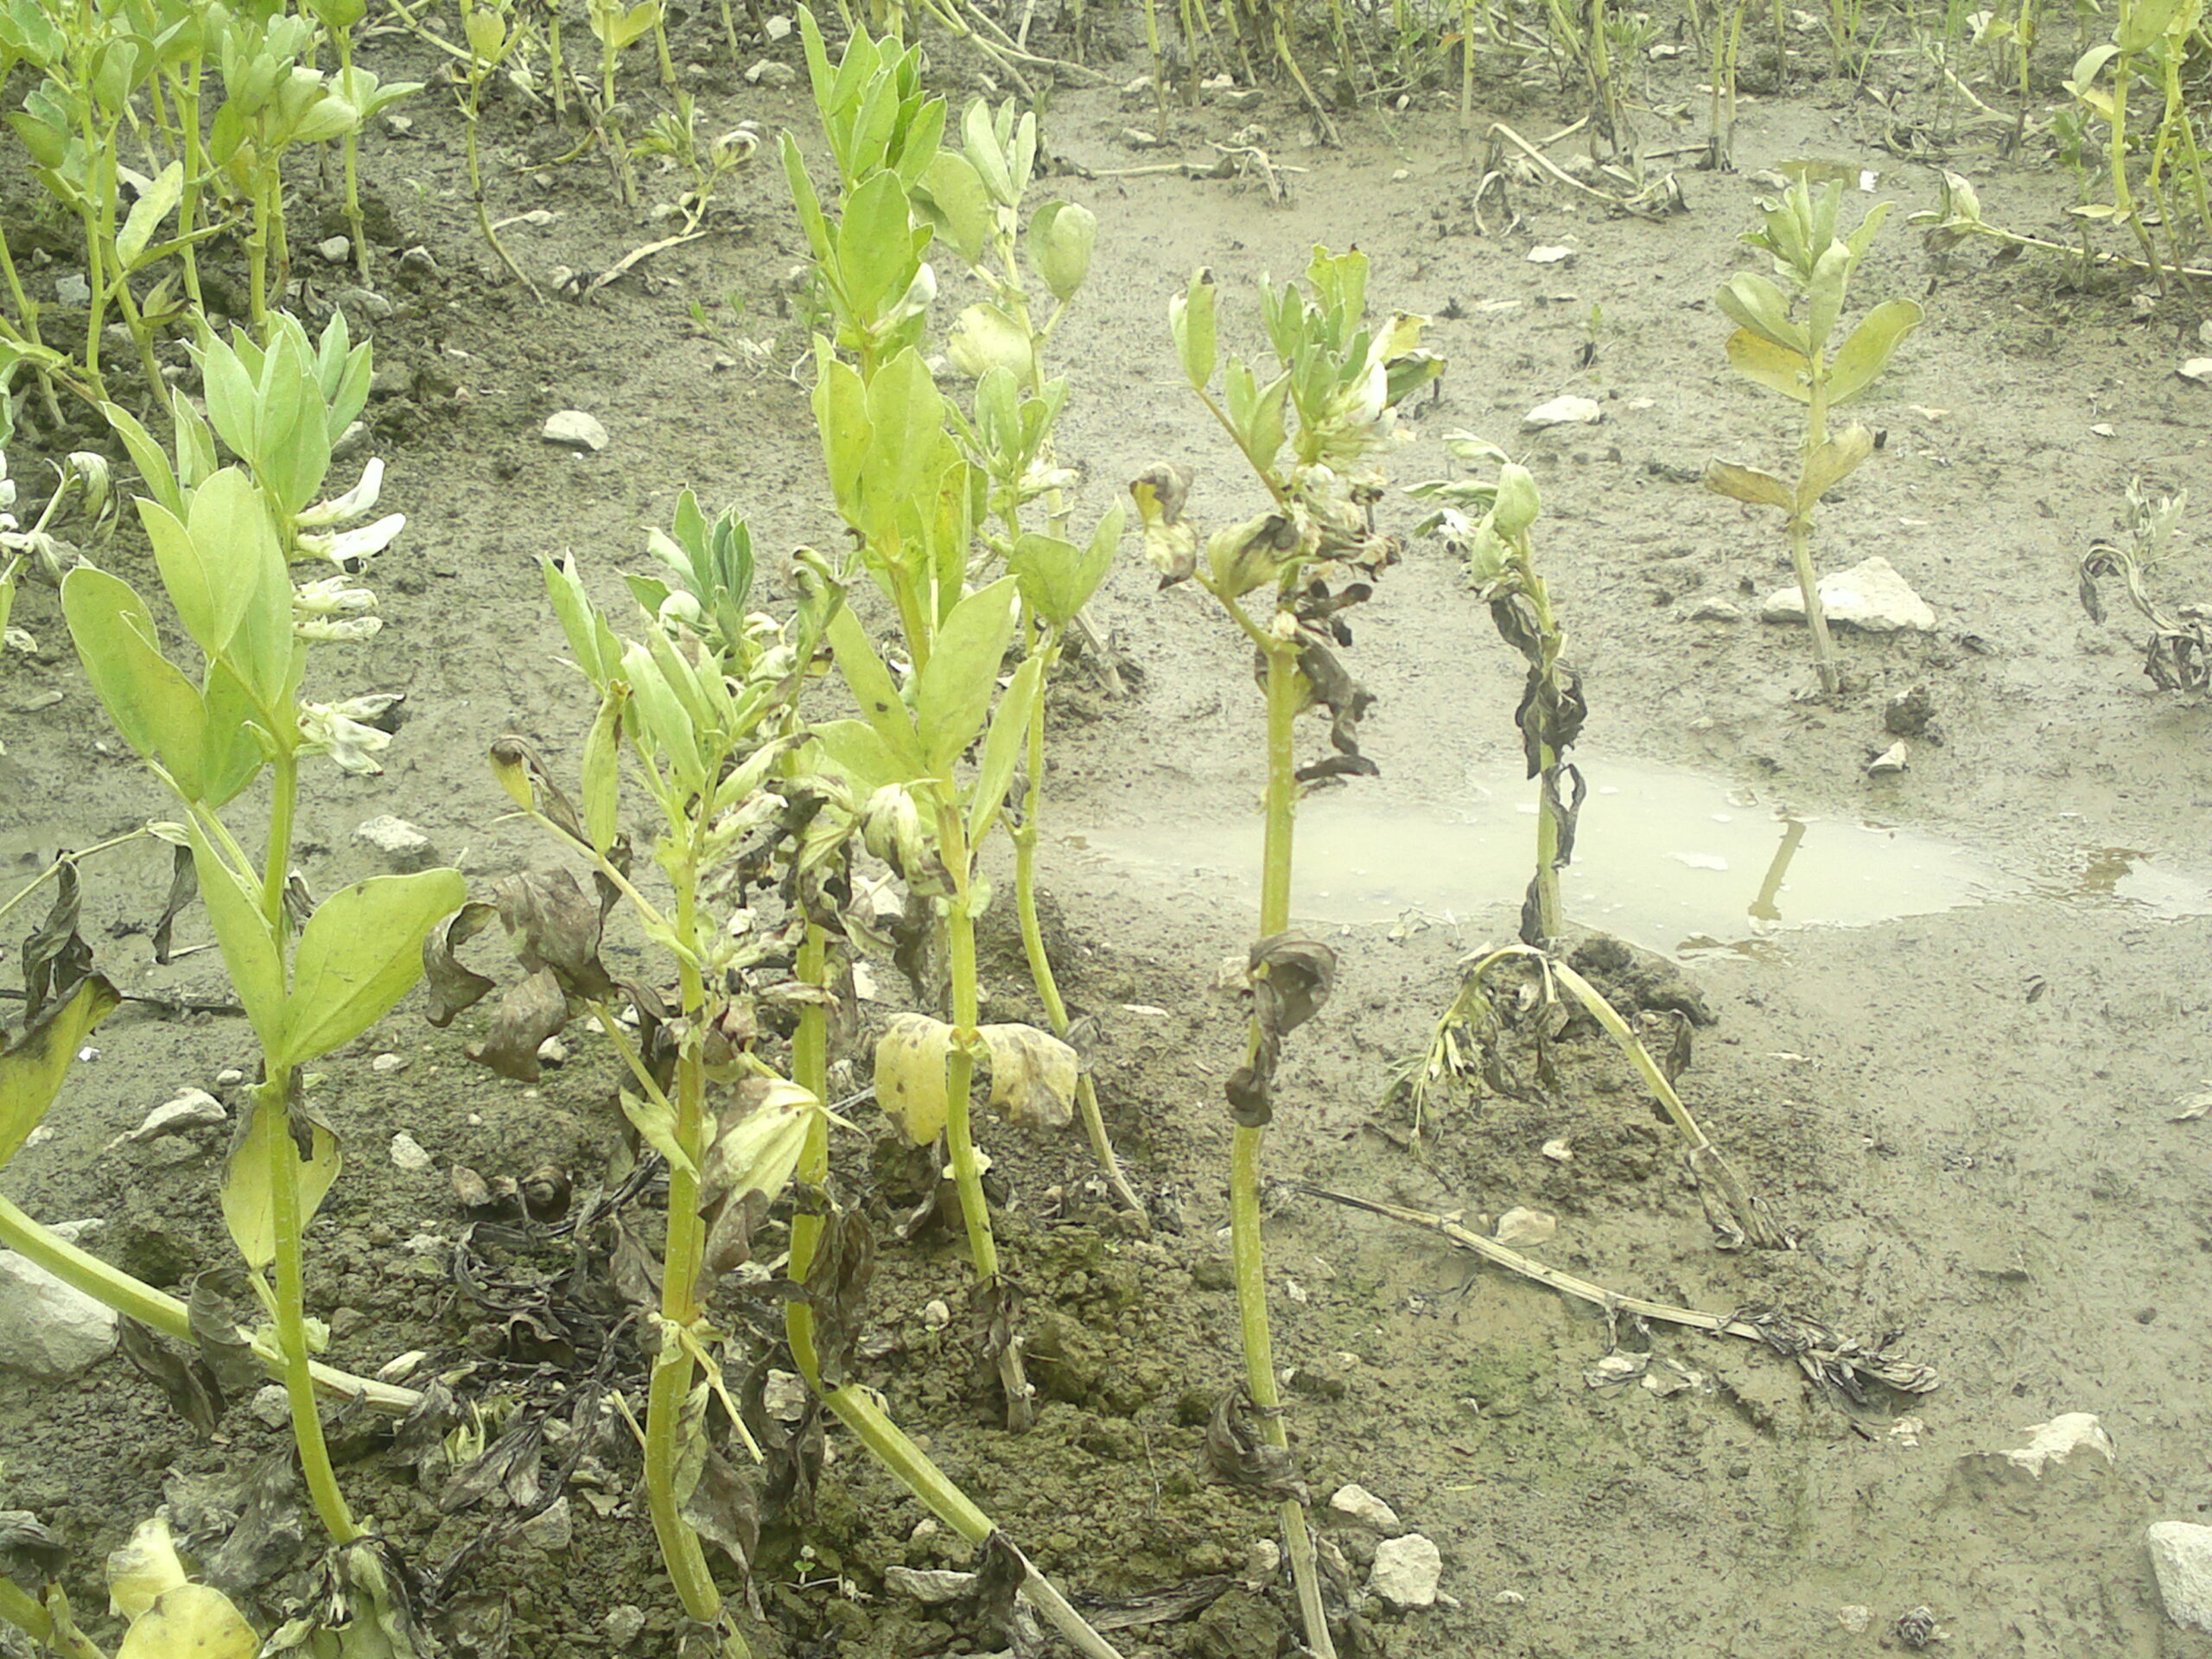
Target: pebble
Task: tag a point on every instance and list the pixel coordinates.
(1907, 714)
(71, 288)
(575, 429)
(195, 1108)
(399, 126)
(1716, 610)
(1871, 596)
(624, 1625)
(1569, 410)
(272, 1405)
(769, 73)
(336, 250)
(1406, 1572)
(228, 1077)
(352, 442)
(1550, 255)
(553, 1528)
(2181, 1556)
(1523, 1226)
(1894, 758)
(363, 302)
(936, 1315)
(2060, 1440)
(408, 1154)
(401, 844)
(932, 1586)
(1559, 1151)
(48, 1330)
(1365, 1507)
(390, 1062)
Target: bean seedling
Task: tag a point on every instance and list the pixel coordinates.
(1773, 348)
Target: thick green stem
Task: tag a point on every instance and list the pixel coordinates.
(679, 1296)
(288, 1228)
(29, 1614)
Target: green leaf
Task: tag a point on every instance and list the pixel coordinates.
(294, 442)
(1862, 357)
(980, 137)
(953, 692)
(194, 1621)
(1830, 464)
(33, 1067)
(876, 257)
(602, 772)
(208, 608)
(841, 416)
(1190, 317)
(1061, 238)
(230, 755)
(985, 338)
(808, 203)
(655, 1122)
(664, 716)
(361, 953)
(578, 620)
(232, 400)
(147, 213)
(873, 687)
(152, 704)
(147, 456)
(1003, 748)
(249, 1198)
(1776, 367)
(1752, 301)
(2143, 22)
(1057, 579)
(1748, 484)
(856, 751)
(952, 198)
(249, 948)
(1824, 293)
(907, 443)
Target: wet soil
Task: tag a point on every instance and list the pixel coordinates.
(1963, 1108)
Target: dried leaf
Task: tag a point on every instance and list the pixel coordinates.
(1238, 1455)
(54, 957)
(553, 924)
(837, 1288)
(184, 887)
(452, 987)
(185, 1381)
(228, 1355)
(528, 1013)
(1290, 975)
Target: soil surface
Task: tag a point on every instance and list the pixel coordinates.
(1968, 1109)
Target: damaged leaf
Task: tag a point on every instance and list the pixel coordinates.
(1237, 1454)
(249, 1198)
(909, 1081)
(1290, 975)
(33, 1067)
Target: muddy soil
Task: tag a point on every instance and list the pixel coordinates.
(1963, 1108)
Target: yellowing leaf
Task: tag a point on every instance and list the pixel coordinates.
(249, 1196)
(1033, 1076)
(909, 1059)
(1749, 485)
(31, 1072)
(143, 1570)
(194, 1621)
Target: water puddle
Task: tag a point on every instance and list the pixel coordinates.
(1673, 860)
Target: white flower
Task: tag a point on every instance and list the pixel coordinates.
(335, 630)
(330, 596)
(335, 729)
(349, 546)
(351, 504)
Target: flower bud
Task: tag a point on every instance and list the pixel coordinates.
(1517, 503)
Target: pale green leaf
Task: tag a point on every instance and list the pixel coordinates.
(33, 1068)
(953, 692)
(1003, 748)
(910, 1082)
(361, 953)
(249, 1195)
(249, 947)
(1861, 359)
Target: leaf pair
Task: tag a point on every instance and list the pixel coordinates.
(1034, 1075)
(1764, 361)
(1826, 468)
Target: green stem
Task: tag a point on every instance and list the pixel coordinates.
(1245, 1251)
(287, 1227)
(350, 149)
(187, 210)
(82, 1271)
(28, 1614)
(679, 1291)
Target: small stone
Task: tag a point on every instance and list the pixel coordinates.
(388, 1062)
(363, 303)
(1854, 1618)
(401, 844)
(399, 126)
(783, 1396)
(2061, 1440)
(1521, 1226)
(1871, 596)
(553, 1052)
(1365, 1507)
(2198, 369)
(1716, 610)
(407, 1153)
(936, 1315)
(71, 288)
(2181, 1556)
(47, 1329)
(777, 28)
(195, 1108)
(272, 1405)
(1550, 255)
(575, 429)
(1569, 410)
(1558, 1152)
(1907, 714)
(768, 72)
(552, 1529)
(418, 265)
(352, 442)
(1406, 1572)
(932, 1586)
(229, 1076)
(624, 1625)
(1262, 1561)
(334, 249)
(1891, 761)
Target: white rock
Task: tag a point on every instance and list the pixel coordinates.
(1716, 610)
(195, 1108)
(1365, 1507)
(575, 429)
(624, 1625)
(768, 72)
(229, 1075)
(2181, 1555)
(930, 1585)
(389, 1062)
(936, 1315)
(1406, 1570)
(1569, 410)
(1520, 1226)
(335, 249)
(553, 1052)
(783, 1396)
(1550, 255)
(272, 1405)
(1854, 1618)
(1870, 595)
(552, 1529)
(2059, 1440)
(1559, 1151)
(1894, 758)
(2198, 369)
(46, 1329)
(71, 288)
(1262, 1561)
(402, 845)
(407, 1153)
